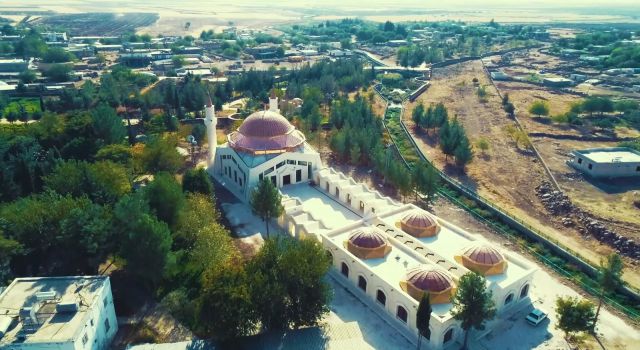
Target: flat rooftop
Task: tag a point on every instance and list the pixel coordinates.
(611, 155)
(53, 327)
(331, 213)
(450, 241)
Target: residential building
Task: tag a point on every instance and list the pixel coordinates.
(63, 313)
(610, 162)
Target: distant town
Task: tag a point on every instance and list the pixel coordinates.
(317, 183)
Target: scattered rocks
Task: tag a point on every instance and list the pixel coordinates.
(559, 204)
(555, 201)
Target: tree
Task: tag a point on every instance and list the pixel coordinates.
(539, 108)
(165, 198)
(197, 181)
(510, 109)
(287, 283)
(145, 241)
(418, 115)
(177, 61)
(103, 181)
(225, 306)
(117, 153)
(483, 144)
(199, 132)
(472, 303)
(107, 125)
(266, 202)
(57, 55)
(574, 315)
(58, 72)
(423, 317)
(425, 179)
(463, 152)
(28, 76)
(609, 279)
(160, 154)
(505, 99)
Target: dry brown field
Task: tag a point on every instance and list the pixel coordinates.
(505, 175)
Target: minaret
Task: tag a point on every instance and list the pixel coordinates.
(273, 102)
(210, 122)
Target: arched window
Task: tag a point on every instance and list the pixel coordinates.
(362, 283)
(345, 270)
(525, 291)
(381, 297)
(509, 299)
(448, 336)
(362, 206)
(401, 314)
(337, 192)
(327, 186)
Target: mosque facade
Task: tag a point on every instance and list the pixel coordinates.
(387, 253)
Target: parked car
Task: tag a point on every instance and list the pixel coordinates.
(536, 316)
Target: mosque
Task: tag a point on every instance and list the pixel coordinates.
(387, 253)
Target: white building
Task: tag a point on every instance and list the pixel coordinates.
(387, 253)
(607, 162)
(62, 313)
(265, 146)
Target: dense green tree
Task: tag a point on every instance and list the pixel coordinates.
(165, 198)
(199, 132)
(418, 115)
(103, 182)
(539, 108)
(57, 55)
(463, 152)
(287, 283)
(8, 249)
(117, 153)
(266, 202)
(107, 125)
(472, 303)
(574, 315)
(145, 242)
(197, 181)
(28, 76)
(160, 154)
(59, 234)
(425, 179)
(609, 278)
(58, 72)
(226, 309)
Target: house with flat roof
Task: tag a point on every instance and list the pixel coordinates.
(64, 313)
(609, 162)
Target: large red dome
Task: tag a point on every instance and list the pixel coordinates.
(265, 124)
(266, 132)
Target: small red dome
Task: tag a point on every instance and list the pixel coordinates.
(484, 254)
(265, 124)
(429, 279)
(368, 238)
(418, 218)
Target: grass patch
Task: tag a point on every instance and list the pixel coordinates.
(399, 137)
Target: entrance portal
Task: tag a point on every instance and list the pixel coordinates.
(286, 180)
